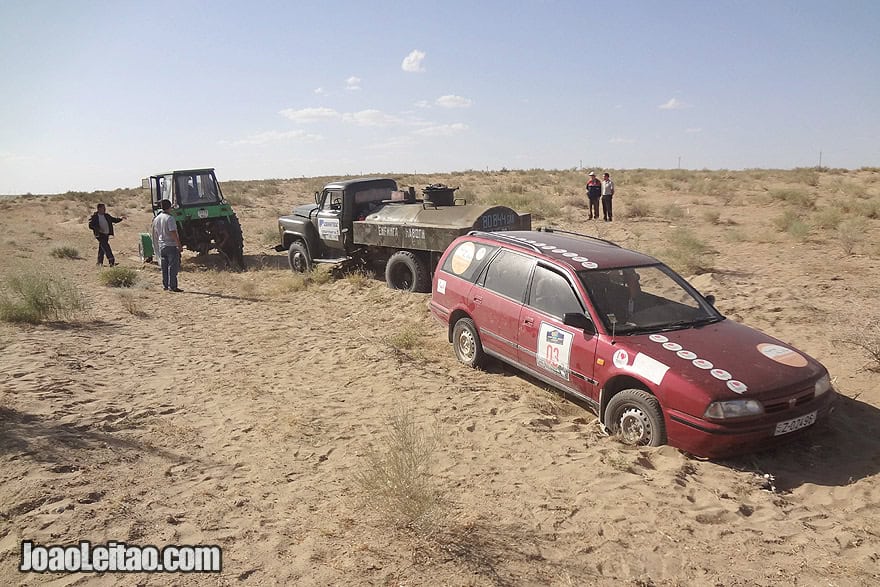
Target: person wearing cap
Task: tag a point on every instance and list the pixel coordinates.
(607, 194)
(594, 193)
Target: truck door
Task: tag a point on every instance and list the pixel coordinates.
(558, 353)
(329, 223)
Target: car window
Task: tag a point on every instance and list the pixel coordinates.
(467, 259)
(552, 294)
(508, 274)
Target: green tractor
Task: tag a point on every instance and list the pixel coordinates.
(205, 220)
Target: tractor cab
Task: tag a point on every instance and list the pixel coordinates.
(184, 189)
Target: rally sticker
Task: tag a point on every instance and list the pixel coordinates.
(481, 252)
(579, 259)
(737, 386)
(687, 355)
(548, 247)
(554, 349)
(720, 374)
(658, 338)
(463, 257)
(441, 286)
(569, 254)
(560, 251)
(589, 265)
(671, 346)
(702, 364)
(783, 355)
(651, 369)
(328, 228)
(620, 358)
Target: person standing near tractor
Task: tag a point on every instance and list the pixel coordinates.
(594, 193)
(168, 241)
(101, 224)
(607, 195)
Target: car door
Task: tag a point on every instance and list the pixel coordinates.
(495, 302)
(328, 221)
(559, 354)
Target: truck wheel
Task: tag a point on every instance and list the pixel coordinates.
(466, 343)
(235, 251)
(407, 271)
(298, 257)
(636, 418)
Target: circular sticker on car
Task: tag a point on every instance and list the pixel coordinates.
(569, 254)
(620, 358)
(481, 252)
(577, 259)
(720, 374)
(687, 355)
(702, 364)
(463, 257)
(560, 251)
(671, 346)
(548, 247)
(589, 265)
(737, 386)
(658, 338)
(782, 355)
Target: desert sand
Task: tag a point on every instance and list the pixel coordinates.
(241, 412)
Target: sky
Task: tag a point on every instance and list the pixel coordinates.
(98, 94)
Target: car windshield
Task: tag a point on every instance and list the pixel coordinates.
(653, 298)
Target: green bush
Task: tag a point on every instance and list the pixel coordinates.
(119, 277)
(34, 297)
(65, 252)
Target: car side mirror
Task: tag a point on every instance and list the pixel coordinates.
(579, 321)
(711, 299)
(317, 197)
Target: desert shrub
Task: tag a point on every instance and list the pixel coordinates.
(396, 478)
(359, 279)
(131, 304)
(687, 253)
(65, 252)
(34, 297)
(673, 212)
(712, 216)
(851, 233)
(794, 197)
(406, 338)
(855, 191)
(118, 277)
(827, 218)
(637, 208)
(867, 208)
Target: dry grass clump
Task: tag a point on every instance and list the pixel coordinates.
(792, 223)
(118, 277)
(687, 254)
(637, 208)
(868, 339)
(851, 233)
(132, 304)
(673, 212)
(407, 338)
(65, 252)
(396, 477)
(794, 197)
(712, 216)
(33, 297)
(827, 218)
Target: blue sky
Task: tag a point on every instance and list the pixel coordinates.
(97, 94)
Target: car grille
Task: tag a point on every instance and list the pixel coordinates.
(777, 405)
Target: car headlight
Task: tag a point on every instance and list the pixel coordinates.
(736, 408)
(822, 385)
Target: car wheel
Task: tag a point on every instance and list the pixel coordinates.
(407, 271)
(298, 257)
(636, 418)
(467, 344)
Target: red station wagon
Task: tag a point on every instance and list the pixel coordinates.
(628, 336)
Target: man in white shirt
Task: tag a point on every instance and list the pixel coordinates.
(607, 195)
(167, 242)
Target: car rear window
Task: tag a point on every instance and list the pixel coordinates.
(508, 275)
(467, 259)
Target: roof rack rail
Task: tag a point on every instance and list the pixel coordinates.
(503, 237)
(572, 233)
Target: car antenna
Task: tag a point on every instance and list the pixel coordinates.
(613, 319)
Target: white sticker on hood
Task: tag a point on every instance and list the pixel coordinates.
(687, 355)
(658, 338)
(737, 386)
(671, 346)
(651, 369)
(702, 364)
(720, 374)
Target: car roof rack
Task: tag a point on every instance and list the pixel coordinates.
(571, 233)
(505, 238)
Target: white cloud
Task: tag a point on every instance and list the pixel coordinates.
(673, 104)
(412, 63)
(319, 91)
(442, 130)
(353, 83)
(422, 104)
(371, 118)
(452, 101)
(306, 115)
(621, 141)
(693, 130)
(274, 136)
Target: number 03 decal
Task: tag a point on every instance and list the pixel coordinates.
(554, 349)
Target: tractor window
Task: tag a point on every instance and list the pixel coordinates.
(165, 183)
(196, 189)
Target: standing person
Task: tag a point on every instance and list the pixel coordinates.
(594, 192)
(167, 241)
(607, 195)
(101, 224)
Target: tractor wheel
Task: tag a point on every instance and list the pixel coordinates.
(298, 257)
(235, 248)
(407, 271)
(636, 418)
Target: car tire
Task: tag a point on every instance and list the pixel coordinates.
(407, 271)
(298, 257)
(635, 417)
(466, 343)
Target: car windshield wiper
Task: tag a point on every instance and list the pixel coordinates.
(680, 324)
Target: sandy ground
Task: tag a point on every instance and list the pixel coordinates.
(239, 413)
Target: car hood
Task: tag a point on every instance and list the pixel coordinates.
(304, 210)
(726, 359)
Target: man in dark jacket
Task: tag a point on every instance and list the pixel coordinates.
(101, 224)
(594, 193)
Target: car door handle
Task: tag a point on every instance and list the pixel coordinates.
(529, 321)
(478, 300)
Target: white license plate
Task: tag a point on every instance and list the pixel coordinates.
(795, 424)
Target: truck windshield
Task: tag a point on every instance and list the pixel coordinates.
(196, 189)
(636, 300)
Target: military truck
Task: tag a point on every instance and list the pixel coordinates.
(371, 220)
(205, 220)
